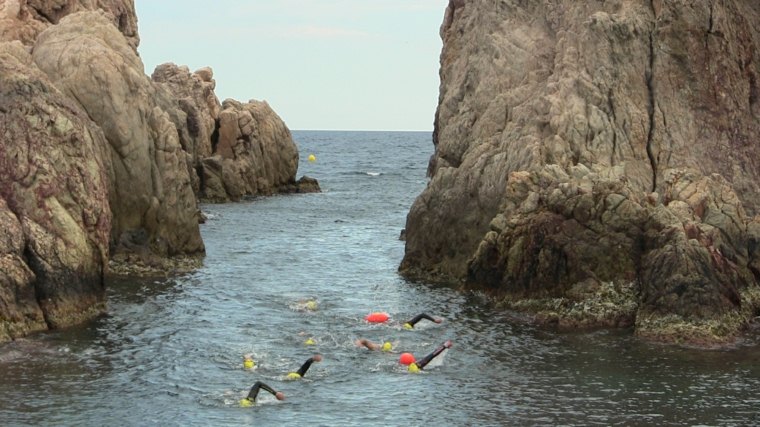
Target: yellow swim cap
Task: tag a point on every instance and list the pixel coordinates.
(310, 342)
(245, 403)
(248, 364)
(408, 326)
(413, 368)
(293, 376)
(311, 305)
(387, 346)
(312, 158)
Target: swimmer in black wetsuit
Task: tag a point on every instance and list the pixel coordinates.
(420, 364)
(410, 324)
(305, 367)
(251, 398)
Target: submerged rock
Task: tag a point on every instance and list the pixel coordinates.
(593, 164)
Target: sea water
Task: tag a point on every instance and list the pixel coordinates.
(170, 352)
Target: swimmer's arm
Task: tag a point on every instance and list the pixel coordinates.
(421, 363)
(305, 367)
(367, 343)
(421, 316)
(255, 390)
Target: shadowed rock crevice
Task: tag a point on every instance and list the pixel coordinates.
(650, 78)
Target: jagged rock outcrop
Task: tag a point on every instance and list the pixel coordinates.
(194, 94)
(596, 163)
(238, 149)
(254, 153)
(152, 201)
(97, 161)
(54, 212)
(23, 20)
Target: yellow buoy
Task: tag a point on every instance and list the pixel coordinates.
(312, 158)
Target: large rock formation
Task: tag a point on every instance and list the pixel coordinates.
(23, 20)
(100, 163)
(54, 213)
(596, 163)
(151, 197)
(237, 149)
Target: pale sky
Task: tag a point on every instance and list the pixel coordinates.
(321, 64)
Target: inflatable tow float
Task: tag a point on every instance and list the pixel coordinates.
(377, 317)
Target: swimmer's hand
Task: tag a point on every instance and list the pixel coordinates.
(317, 358)
(280, 395)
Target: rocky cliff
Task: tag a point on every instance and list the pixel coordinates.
(596, 163)
(236, 149)
(24, 20)
(54, 213)
(99, 162)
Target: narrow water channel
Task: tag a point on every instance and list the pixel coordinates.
(170, 352)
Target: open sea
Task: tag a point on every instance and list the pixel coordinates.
(170, 352)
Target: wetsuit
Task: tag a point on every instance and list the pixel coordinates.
(255, 390)
(305, 367)
(425, 360)
(417, 318)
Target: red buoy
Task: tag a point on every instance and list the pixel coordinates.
(377, 317)
(406, 359)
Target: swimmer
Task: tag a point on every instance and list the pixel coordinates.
(248, 362)
(305, 367)
(420, 364)
(305, 305)
(386, 346)
(410, 324)
(251, 398)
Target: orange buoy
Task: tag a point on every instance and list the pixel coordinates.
(377, 317)
(406, 358)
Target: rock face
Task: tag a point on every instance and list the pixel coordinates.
(101, 168)
(237, 149)
(23, 20)
(254, 153)
(54, 212)
(595, 163)
(151, 197)
(194, 94)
